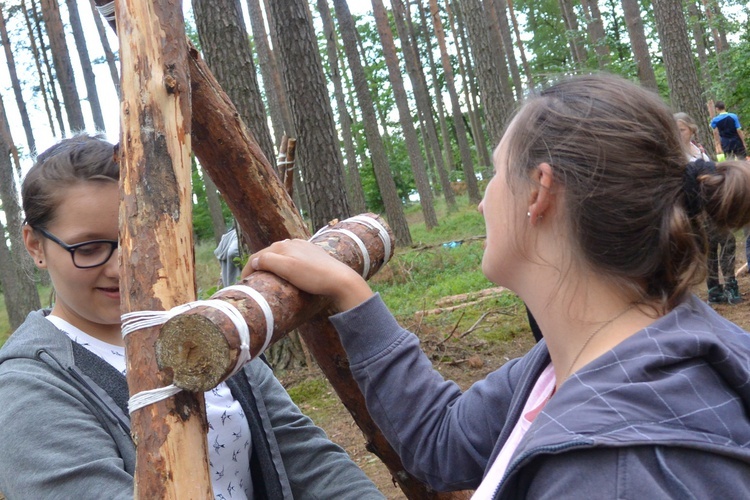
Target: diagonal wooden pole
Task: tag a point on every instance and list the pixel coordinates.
(156, 244)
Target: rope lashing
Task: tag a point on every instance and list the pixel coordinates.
(107, 11)
(145, 319)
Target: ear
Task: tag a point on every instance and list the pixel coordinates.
(541, 196)
(34, 245)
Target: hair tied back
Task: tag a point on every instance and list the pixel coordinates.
(692, 186)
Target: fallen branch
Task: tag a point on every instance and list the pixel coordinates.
(474, 326)
(743, 268)
(463, 297)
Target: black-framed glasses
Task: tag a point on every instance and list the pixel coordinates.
(86, 254)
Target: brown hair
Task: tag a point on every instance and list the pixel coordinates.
(615, 149)
(80, 158)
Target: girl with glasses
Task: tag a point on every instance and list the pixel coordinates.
(64, 426)
(638, 388)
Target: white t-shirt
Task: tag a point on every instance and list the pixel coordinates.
(228, 430)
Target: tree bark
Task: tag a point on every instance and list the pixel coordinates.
(274, 93)
(20, 292)
(318, 153)
(226, 47)
(595, 28)
(355, 193)
(505, 57)
(214, 208)
(392, 202)
(436, 88)
(40, 73)
(156, 243)
(422, 96)
(16, 84)
(519, 45)
(61, 61)
(88, 72)
(108, 54)
(464, 67)
(500, 9)
(407, 124)
(577, 49)
(496, 106)
(639, 44)
(699, 36)
(685, 89)
(458, 119)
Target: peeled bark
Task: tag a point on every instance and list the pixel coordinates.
(156, 243)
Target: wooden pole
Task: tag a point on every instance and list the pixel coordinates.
(266, 213)
(156, 244)
(202, 346)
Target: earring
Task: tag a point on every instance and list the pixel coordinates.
(528, 214)
(41, 262)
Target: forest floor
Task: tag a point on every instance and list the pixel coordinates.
(464, 359)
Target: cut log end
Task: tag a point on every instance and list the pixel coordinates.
(195, 350)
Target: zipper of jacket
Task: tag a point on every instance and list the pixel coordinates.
(82, 381)
(527, 454)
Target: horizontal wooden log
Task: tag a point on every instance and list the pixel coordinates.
(201, 347)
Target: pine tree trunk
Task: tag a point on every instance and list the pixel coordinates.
(422, 96)
(318, 152)
(108, 55)
(595, 28)
(86, 68)
(355, 193)
(469, 91)
(499, 8)
(391, 200)
(458, 120)
(519, 45)
(20, 292)
(496, 105)
(226, 48)
(699, 36)
(156, 231)
(436, 89)
(577, 49)
(16, 84)
(40, 73)
(63, 67)
(407, 124)
(498, 44)
(214, 208)
(685, 89)
(277, 104)
(639, 44)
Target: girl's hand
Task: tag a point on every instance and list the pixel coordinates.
(312, 270)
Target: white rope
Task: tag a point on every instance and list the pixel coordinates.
(361, 244)
(145, 398)
(263, 304)
(107, 11)
(138, 320)
(382, 233)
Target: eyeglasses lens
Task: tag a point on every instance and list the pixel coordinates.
(92, 254)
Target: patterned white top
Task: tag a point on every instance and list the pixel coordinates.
(228, 430)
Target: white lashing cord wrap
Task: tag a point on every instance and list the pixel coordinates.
(138, 320)
(107, 11)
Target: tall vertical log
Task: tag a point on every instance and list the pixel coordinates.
(156, 244)
(266, 214)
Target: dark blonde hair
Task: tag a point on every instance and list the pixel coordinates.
(687, 120)
(81, 158)
(615, 149)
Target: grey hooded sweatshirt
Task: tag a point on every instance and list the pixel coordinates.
(665, 414)
(65, 432)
